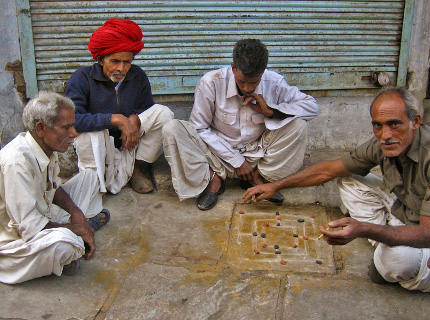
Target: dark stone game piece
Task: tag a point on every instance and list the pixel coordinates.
(278, 252)
(276, 246)
(295, 235)
(255, 234)
(318, 261)
(278, 224)
(301, 220)
(263, 235)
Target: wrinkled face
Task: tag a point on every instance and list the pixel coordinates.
(391, 125)
(116, 65)
(61, 135)
(246, 85)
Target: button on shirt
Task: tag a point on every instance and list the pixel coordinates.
(410, 186)
(230, 130)
(28, 182)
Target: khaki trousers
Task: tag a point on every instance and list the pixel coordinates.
(114, 168)
(366, 201)
(190, 158)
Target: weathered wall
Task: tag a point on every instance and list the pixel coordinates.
(10, 99)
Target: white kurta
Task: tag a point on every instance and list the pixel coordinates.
(28, 182)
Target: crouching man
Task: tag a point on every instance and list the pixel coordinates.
(44, 227)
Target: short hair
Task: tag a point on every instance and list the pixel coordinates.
(250, 56)
(412, 104)
(45, 106)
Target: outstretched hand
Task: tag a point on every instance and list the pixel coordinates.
(350, 231)
(260, 192)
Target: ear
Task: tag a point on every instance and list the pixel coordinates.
(416, 122)
(100, 60)
(232, 66)
(40, 129)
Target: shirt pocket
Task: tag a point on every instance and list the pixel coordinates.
(413, 202)
(224, 117)
(257, 118)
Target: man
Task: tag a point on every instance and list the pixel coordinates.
(246, 122)
(392, 212)
(44, 226)
(119, 124)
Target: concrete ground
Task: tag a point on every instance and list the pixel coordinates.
(160, 258)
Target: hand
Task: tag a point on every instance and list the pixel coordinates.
(88, 237)
(244, 172)
(129, 130)
(350, 231)
(261, 192)
(78, 217)
(260, 104)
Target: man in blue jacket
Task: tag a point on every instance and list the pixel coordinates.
(118, 123)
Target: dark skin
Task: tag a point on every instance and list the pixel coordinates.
(58, 139)
(395, 132)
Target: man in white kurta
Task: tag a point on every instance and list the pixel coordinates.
(246, 122)
(42, 224)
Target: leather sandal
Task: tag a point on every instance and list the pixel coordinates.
(208, 199)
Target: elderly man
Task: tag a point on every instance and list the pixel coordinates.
(246, 122)
(119, 124)
(391, 212)
(43, 225)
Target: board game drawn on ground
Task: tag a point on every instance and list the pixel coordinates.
(279, 238)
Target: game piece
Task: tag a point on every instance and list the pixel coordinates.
(256, 251)
(318, 261)
(241, 212)
(277, 213)
(278, 224)
(305, 237)
(255, 234)
(264, 245)
(278, 252)
(312, 216)
(276, 246)
(266, 224)
(263, 235)
(295, 235)
(283, 262)
(294, 245)
(301, 220)
(279, 218)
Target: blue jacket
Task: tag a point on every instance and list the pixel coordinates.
(96, 100)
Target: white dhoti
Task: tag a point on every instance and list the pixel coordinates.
(96, 150)
(366, 201)
(50, 249)
(190, 158)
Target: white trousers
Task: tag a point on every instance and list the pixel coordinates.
(114, 168)
(49, 250)
(190, 158)
(366, 201)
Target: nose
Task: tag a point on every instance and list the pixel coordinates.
(248, 88)
(121, 67)
(72, 132)
(386, 133)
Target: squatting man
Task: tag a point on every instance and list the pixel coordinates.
(44, 226)
(392, 212)
(247, 122)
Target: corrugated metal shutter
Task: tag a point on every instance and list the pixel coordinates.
(317, 45)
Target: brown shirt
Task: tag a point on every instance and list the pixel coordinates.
(409, 181)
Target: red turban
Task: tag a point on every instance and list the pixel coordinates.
(116, 36)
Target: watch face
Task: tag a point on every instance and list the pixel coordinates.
(383, 79)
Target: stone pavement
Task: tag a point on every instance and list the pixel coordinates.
(160, 258)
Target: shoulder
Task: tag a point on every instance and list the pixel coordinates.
(272, 76)
(16, 151)
(424, 132)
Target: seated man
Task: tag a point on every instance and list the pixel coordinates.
(119, 124)
(43, 225)
(391, 212)
(246, 122)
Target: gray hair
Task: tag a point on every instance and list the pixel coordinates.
(412, 104)
(45, 106)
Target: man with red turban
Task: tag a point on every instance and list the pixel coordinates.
(118, 123)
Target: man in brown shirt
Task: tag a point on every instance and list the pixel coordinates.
(394, 213)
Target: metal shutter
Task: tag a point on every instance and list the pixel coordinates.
(316, 45)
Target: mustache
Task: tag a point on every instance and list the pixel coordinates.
(388, 142)
(118, 74)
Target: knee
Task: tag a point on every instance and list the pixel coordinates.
(299, 126)
(397, 263)
(170, 127)
(165, 114)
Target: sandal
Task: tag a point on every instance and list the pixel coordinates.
(95, 222)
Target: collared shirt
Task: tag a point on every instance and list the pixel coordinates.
(410, 186)
(28, 182)
(231, 130)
